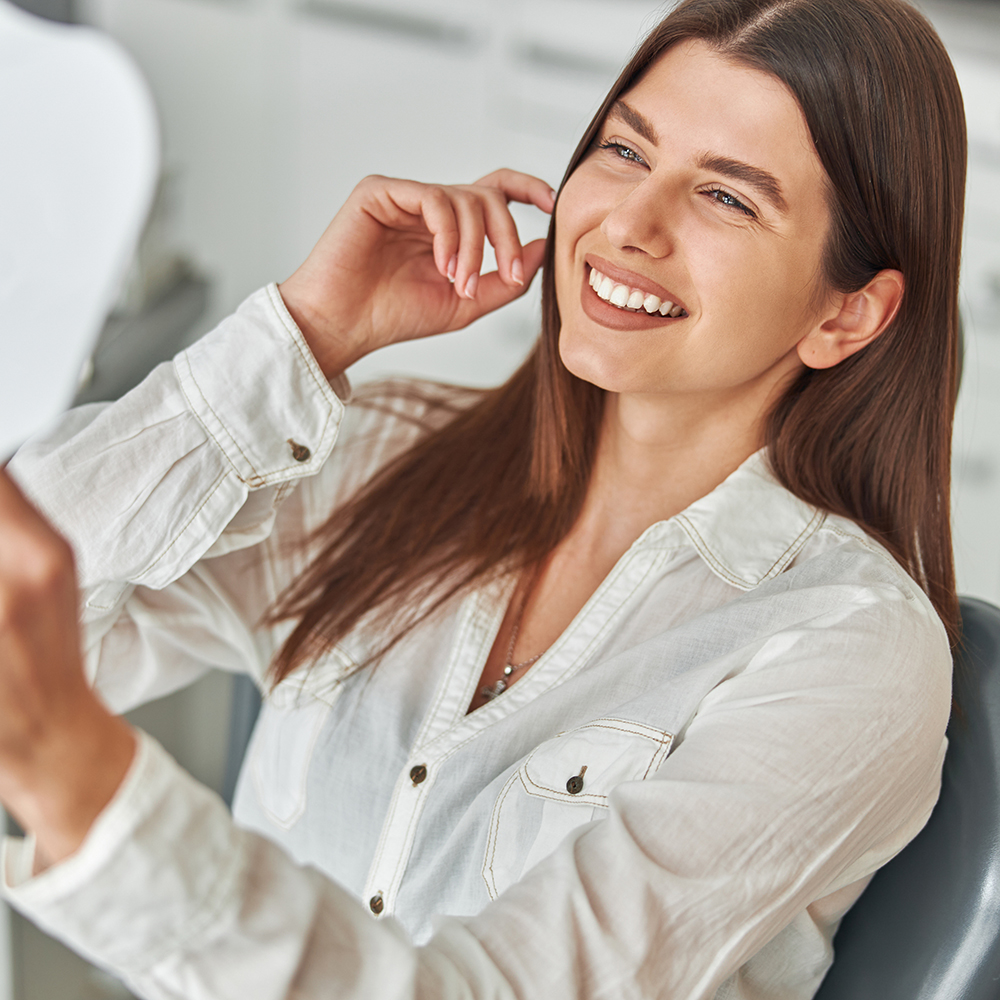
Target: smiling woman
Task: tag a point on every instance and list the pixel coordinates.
(620, 679)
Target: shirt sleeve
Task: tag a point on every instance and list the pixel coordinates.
(801, 773)
(191, 465)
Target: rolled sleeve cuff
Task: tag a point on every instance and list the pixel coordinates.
(83, 901)
(289, 430)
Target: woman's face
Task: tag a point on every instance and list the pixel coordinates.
(703, 190)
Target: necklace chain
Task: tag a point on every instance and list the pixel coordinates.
(489, 693)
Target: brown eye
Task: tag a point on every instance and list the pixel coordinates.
(622, 151)
(731, 201)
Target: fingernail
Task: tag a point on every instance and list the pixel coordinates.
(452, 267)
(471, 285)
(517, 271)
(552, 195)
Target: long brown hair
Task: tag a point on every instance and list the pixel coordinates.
(500, 484)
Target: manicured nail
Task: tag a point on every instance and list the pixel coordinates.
(517, 271)
(471, 285)
(452, 267)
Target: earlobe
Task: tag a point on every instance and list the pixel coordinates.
(854, 321)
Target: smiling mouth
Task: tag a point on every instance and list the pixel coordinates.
(630, 299)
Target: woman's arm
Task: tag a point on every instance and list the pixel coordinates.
(191, 464)
(198, 460)
(798, 776)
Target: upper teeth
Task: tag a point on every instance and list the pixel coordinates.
(632, 299)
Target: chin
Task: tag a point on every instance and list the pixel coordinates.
(614, 374)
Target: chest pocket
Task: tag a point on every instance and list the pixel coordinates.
(562, 784)
(284, 738)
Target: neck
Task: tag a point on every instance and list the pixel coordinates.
(653, 460)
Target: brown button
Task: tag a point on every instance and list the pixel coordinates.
(299, 451)
(575, 784)
(418, 773)
(376, 903)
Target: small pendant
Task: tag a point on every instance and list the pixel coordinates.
(489, 693)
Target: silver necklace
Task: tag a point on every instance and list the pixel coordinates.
(490, 692)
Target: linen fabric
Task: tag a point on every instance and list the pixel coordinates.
(755, 699)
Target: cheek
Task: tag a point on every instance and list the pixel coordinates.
(752, 283)
(579, 209)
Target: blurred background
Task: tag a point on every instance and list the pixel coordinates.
(271, 111)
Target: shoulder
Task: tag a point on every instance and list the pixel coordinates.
(862, 610)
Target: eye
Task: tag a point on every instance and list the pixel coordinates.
(621, 150)
(730, 200)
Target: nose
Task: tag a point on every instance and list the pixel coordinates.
(640, 222)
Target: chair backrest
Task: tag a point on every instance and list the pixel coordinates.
(928, 925)
(242, 719)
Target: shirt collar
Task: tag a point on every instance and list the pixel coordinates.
(749, 528)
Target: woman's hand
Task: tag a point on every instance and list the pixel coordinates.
(62, 754)
(401, 260)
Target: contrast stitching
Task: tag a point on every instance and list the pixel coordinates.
(216, 486)
(220, 421)
(709, 556)
(279, 307)
(660, 737)
(491, 840)
(818, 516)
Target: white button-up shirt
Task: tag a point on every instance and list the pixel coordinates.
(754, 701)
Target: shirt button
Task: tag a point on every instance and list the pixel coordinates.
(418, 773)
(299, 451)
(375, 903)
(575, 784)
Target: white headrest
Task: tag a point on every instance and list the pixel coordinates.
(79, 157)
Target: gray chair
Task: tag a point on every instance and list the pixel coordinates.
(928, 925)
(242, 719)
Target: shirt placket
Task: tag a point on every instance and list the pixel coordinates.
(479, 621)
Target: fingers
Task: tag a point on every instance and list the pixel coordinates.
(442, 221)
(524, 188)
(472, 211)
(482, 211)
(493, 292)
(460, 218)
(503, 186)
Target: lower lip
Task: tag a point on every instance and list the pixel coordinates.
(619, 319)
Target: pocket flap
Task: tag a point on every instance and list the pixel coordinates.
(585, 764)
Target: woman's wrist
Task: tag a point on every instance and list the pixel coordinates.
(70, 777)
(334, 352)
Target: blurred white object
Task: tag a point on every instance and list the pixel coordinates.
(78, 166)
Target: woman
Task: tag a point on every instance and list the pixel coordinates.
(634, 669)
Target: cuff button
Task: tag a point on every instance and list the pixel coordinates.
(299, 451)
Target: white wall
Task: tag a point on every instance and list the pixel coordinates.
(273, 110)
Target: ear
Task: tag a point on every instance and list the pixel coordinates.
(852, 321)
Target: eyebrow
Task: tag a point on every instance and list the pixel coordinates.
(639, 124)
(763, 180)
